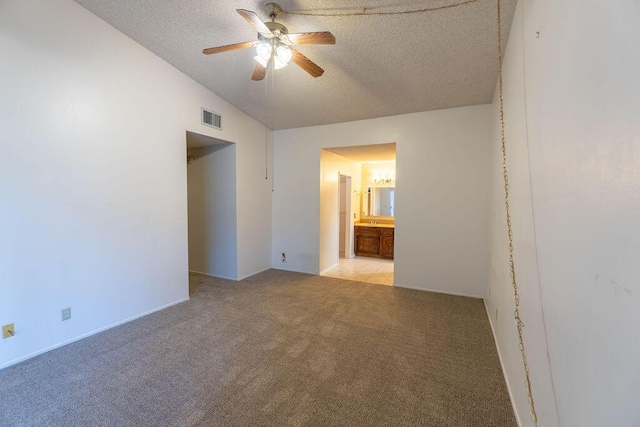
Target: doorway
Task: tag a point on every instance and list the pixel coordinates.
(211, 206)
(357, 213)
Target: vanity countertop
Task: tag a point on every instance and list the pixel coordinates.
(368, 224)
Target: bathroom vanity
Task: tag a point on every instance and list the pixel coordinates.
(374, 240)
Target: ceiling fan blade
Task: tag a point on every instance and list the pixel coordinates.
(255, 21)
(322, 37)
(259, 72)
(227, 48)
(306, 64)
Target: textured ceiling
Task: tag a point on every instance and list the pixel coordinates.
(367, 153)
(379, 66)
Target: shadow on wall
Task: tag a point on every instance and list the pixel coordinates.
(199, 145)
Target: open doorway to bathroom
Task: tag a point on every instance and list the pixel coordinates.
(358, 212)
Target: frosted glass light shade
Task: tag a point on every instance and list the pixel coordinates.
(264, 51)
(278, 63)
(284, 53)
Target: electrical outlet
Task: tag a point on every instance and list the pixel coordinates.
(284, 257)
(66, 314)
(8, 331)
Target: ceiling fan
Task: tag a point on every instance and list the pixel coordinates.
(275, 43)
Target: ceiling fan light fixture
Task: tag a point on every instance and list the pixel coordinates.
(278, 63)
(284, 53)
(264, 51)
(273, 44)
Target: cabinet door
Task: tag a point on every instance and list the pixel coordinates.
(367, 245)
(386, 246)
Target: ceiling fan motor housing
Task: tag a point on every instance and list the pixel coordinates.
(276, 28)
(273, 26)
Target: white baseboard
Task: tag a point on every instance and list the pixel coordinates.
(329, 268)
(231, 278)
(253, 274)
(294, 271)
(438, 291)
(504, 371)
(213, 275)
(88, 334)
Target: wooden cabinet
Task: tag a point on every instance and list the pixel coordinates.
(374, 241)
(367, 241)
(386, 243)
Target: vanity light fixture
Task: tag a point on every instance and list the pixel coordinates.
(384, 179)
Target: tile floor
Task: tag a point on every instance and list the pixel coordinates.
(364, 269)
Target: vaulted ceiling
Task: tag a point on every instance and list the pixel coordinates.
(379, 66)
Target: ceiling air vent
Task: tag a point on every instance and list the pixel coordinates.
(212, 119)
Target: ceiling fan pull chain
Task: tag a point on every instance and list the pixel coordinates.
(512, 272)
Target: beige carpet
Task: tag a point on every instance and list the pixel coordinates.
(276, 349)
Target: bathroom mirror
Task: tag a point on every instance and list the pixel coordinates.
(378, 201)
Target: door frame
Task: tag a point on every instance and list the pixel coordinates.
(348, 223)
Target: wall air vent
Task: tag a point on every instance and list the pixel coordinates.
(209, 118)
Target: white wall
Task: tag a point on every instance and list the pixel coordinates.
(211, 183)
(253, 186)
(331, 165)
(441, 187)
(499, 297)
(93, 193)
(584, 155)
